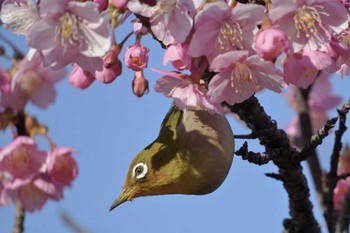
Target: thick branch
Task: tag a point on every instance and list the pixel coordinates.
(294, 180)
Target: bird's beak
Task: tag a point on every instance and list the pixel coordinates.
(123, 197)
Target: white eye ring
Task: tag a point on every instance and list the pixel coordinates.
(140, 170)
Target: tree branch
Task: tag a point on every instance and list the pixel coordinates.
(19, 218)
(301, 100)
(294, 181)
(332, 176)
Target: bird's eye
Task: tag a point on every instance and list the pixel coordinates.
(140, 170)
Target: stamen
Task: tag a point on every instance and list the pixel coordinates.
(307, 19)
(240, 76)
(230, 36)
(68, 28)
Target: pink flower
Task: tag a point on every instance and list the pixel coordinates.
(139, 28)
(270, 43)
(18, 15)
(239, 75)
(178, 56)
(320, 101)
(136, 57)
(32, 82)
(301, 69)
(309, 23)
(108, 75)
(61, 166)
(21, 158)
(79, 78)
(185, 93)
(166, 16)
(139, 84)
(70, 32)
(34, 193)
(219, 29)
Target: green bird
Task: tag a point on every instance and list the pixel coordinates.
(191, 155)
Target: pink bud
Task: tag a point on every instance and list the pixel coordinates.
(178, 56)
(270, 43)
(136, 57)
(139, 84)
(139, 28)
(120, 4)
(111, 57)
(109, 75)
(80, 78)
(102, 5)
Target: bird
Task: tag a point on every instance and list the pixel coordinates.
(192, 154)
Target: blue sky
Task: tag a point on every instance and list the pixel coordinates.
(108, 125)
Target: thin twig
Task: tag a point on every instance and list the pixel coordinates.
(275, 176)
(317, 139)
(332, 176)
(19, 218)
(18, 55)
(342, 225)
(69, 222)
(252, 157)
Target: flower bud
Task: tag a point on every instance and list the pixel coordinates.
(111, 57)
(136, 57)
(108, 75)
(80, 78)
(139, 84)
(270, 43)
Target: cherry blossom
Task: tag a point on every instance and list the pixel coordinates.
(70, 32)
(61, 166)
(219, 29)
(309, 23)
(239, 75)
(185, 92)
(19, 15)
(21, 158)
(165, 17)
(32, 82)
(301, 69)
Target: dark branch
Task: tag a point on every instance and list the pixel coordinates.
(246, 136)
(294, 181)
(317, 139)
(275, 176)
(342, 225)
(256, 158)
(332, 176)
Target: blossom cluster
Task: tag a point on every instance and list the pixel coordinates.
(32, 176)
(241, 43)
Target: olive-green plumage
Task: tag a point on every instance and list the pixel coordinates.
(192, 155)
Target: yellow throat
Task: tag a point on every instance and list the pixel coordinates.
(192, 155)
